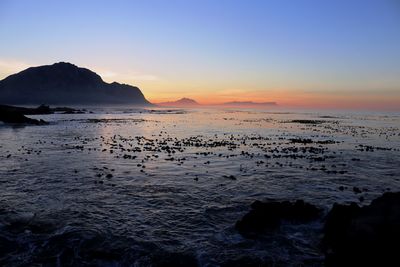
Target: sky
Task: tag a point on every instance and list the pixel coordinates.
(342, 54)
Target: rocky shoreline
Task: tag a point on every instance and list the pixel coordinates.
(17, 115)
(352, 235)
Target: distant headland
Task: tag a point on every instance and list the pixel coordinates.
(183, 102)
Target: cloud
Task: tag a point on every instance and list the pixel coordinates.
(8, 67)
(143, 77)
(107, 74)
(361, 92)
(127, 77)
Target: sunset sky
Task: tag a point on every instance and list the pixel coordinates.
(299, 53)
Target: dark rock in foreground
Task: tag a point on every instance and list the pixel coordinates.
(247, 261)
(175, 259)
(14, 115)
(267, 216)
(364, 236)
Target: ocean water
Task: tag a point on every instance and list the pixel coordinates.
(164, 187)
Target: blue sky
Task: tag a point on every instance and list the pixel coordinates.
(231, 49)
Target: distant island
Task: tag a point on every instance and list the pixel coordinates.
(183, 102)
(65, 83)
(187, 102)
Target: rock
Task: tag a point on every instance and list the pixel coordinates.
(20, 223)
(337, 221)
(301, 141)
(13, 114)
(356, 190)
(247, 261)
(17, 117)
(7, 246)
(308, 121)
(174, 259)
(230, 177)
(363, 236)
(267, 216)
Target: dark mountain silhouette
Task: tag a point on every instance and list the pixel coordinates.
(183, 102)
(65, 83)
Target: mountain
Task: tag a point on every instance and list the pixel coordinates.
(248, 104)
(183, 102)
(65, 83)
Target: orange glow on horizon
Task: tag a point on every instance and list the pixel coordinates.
(295, 99)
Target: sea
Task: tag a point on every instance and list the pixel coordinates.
(122, 186)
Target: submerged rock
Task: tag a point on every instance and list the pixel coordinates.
(28, 222)
(308, 121)
(265, 216)
(364, 236)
